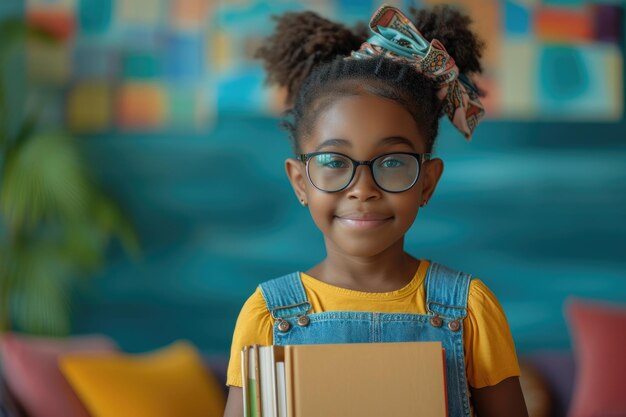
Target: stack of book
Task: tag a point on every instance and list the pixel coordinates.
(399, 379)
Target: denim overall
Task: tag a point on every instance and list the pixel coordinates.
(446, 303)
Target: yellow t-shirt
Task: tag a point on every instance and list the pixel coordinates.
(489, 350)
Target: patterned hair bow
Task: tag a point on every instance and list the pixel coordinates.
(395, 36)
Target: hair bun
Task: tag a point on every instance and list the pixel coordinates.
(452, 28)
(301, 41)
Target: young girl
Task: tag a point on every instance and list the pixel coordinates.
(365, 118)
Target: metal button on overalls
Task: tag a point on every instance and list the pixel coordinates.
(302, 321)
(436, 321)
(454, 325)
(284, 325)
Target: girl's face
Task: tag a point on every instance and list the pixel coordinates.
(362, 219)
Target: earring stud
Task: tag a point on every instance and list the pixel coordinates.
(304, 204)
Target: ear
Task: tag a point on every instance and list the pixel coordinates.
(297, 177)
(432, 174)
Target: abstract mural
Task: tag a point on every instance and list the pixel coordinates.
(174, 65)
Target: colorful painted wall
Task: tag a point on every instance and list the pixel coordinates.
(146, 65)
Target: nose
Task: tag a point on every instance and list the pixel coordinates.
(363, 186)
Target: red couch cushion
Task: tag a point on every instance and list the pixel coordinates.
(599, 340)
(32, 373)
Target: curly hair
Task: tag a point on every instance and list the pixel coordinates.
(306, 52)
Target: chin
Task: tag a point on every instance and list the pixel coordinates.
(362, 249)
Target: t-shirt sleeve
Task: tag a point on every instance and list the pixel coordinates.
(489, 348)
(254, 325)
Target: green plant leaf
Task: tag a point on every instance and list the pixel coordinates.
(24, 132)
(114, 223)
(40, 297)
(43, 179)
(7, 278)
(84, 246)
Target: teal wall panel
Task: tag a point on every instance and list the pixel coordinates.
(537, 220)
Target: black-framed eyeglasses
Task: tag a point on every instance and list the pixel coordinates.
(392, 172)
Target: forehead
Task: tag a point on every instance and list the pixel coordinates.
(363, 120)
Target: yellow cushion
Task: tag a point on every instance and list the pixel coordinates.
(172, 381)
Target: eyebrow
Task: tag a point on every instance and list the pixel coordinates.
(391, 140)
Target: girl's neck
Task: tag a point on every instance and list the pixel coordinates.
(387, 271)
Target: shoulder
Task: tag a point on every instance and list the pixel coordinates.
(480, 297)
(254, 323)
(485, 314)
(255, 305)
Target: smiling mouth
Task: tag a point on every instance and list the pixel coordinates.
(360, 223)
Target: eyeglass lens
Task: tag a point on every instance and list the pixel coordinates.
(393, 172)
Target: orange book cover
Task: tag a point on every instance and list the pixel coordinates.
(400, 379)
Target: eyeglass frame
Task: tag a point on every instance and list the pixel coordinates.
(420, 157)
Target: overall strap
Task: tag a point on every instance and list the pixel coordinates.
(285, 296)
(446, 291)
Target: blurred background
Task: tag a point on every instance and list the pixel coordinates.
(143, 192)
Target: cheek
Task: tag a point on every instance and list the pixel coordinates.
(321, 205)
(406, 206)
